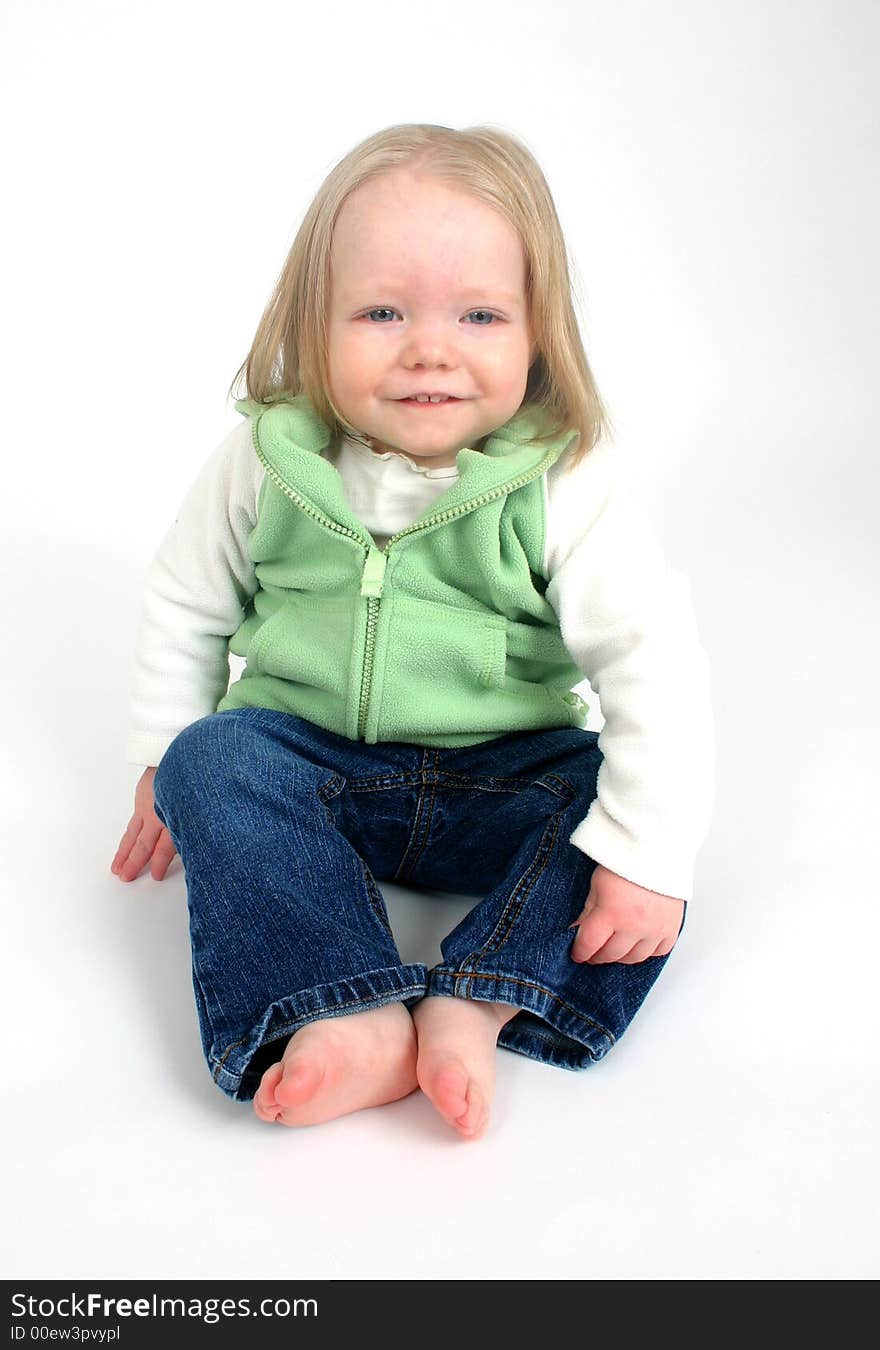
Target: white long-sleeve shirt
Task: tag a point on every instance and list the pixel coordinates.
(625, 616)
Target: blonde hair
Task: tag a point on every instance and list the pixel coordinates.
(288, 355)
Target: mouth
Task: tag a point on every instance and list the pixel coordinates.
(427, 403)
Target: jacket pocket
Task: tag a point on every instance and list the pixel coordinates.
(535, 651)
(308, 640)
(446, 645)
(539, 669)
(438, 668)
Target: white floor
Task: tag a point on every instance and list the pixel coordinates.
(714, 168)
(731, 1134)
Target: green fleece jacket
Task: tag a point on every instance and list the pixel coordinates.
(444, 638)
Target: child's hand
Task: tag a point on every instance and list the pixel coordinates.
(624, 922)
(145, 838)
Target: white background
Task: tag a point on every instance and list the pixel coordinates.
(714, 166)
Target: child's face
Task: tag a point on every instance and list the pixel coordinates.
(418, 266)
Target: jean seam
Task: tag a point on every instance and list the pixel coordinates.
(201, 998)
(520, 893)
(458, 976)
(289, 1026)
(329, 790)
(568, 790)
(433, 781)
(424, 814)
(375, 898)
(386, 782)
(332, 788)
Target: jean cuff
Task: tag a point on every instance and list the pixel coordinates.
(547, 1028)
(234, 1070)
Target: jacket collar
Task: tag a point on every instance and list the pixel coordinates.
(289, 438)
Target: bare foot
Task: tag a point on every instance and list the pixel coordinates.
(341, 1064)
(456, 1062)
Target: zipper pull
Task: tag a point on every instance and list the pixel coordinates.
(374, 572)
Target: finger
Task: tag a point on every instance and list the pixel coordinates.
(616, 948)
(592, 934)
(640, 952)
(163, 855)
(665, 947)
(589, 907)
(132, 830)
(141, 852)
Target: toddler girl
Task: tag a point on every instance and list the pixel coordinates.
(419, 542)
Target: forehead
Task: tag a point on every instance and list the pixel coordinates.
(405, 229)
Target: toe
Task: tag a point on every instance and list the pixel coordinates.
(447, 1089)
(265, 1103)
(473, 1120)
(299, 1081)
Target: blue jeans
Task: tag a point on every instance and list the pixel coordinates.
(283, 830)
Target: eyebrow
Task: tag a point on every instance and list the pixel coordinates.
(468, 291)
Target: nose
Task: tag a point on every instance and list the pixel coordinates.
(429, 345)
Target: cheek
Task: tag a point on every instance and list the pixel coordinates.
(509, 370)
(353, 360)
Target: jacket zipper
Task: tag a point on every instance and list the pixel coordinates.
(372, 579)
(373, 575)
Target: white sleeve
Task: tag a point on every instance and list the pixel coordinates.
(195, 592)
(627, 620)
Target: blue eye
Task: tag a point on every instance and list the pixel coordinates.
(487, 314)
